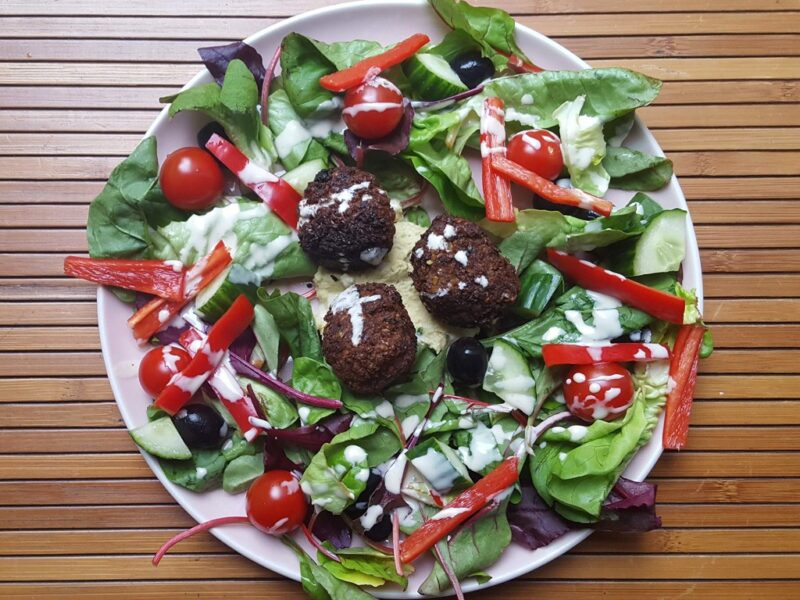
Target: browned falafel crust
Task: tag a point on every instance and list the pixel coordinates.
(388, 342)
(352, 239)
(460, 275)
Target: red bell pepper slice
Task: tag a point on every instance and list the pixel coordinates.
(661, 305)
(226, 387)
(277, 194)
(466, 504)
(496, 188)
(577, 354)
(343, 80)
(549, 190)
(157, 277)
(158, 312)
(682, 378)
(185, 384)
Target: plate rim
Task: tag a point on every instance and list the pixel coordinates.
(555, 549)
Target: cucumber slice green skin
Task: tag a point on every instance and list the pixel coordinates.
(302, 175)
(161, 439)
(216, 298)
(431, 77)
(662, 246)
(509, 376)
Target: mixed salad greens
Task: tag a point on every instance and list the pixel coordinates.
(518, 435)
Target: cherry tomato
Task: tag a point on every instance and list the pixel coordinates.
(373, 109)
(537, 150)
(602, 391)
(275, 503)
(191, 179)
(159, 365)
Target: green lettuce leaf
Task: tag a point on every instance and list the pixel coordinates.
(267, 337)
(295, 321)
(279, 411)
(316, 379)
(260, 242)
(610, 94)
(131, 203)
(235, 107)
(633, 170)
(294, 143)
(241, 472)
(363, 566)
(583, 147)
(319, 583)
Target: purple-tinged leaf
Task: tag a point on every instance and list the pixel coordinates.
(630, 507)
(275, 457)
(332, 528)
(217, 59)
(312, 437)
(533, 523)
(394, 143)
(243, 345)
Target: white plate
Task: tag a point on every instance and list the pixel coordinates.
(386, 21)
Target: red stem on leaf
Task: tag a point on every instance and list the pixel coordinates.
(315, 542)
(396, 543)
(268, 76)
(196, 529)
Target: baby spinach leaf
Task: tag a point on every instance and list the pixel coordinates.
(201, 473)
(235, 107)
(295, 320)
(471, 550)
(241, 472)
(130, 204)
(634, 170)
(363, 566)
(319, 583)
(317, 379)
(279, 411)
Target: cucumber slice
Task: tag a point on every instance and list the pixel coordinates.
(662, 246)
(216, 298)
(509, 376)
(431, 77)
(302, 175)
(440, 465)
(160, 438)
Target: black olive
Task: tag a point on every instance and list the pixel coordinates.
(467, 360)
(472, 69)
(207, 131)
(200, 426)
(381, 530)
(359, 507)
(572, 211)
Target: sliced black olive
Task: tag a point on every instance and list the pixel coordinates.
(472, 68)
(467, 361)
(359, 507)
(200, 426)
(207, 131)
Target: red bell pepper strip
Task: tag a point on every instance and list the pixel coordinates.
(185, 384)
(157, 277)
(277, 194)
(549, 190)
(659, 304)
(224, 384)
(466, 504)
(158, 312)
(496, 188)
(343, 80)
(519, 64)
(576, 354)
(682, 378)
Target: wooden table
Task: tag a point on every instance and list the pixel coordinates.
(80, 512)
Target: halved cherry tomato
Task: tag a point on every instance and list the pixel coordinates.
(159, 365)
(373, 109)
(191, 179)
(275, 503)
(537, 150)
(598, 392)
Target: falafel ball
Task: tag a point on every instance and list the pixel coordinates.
(369, 339)
(460, 274)
(346, 222)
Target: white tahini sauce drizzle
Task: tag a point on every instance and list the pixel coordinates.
(351, 301)
(292, 134)
(449, 513)
(352, 111)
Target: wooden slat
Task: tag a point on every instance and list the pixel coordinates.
(49, 338)
(745, 311)
(748, 286)
(46, 289)
(47, 313)
(53, 389)
(750, 261)
(90, 414)
(515, 7)
(756, 336)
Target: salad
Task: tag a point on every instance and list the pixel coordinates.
(389, 359)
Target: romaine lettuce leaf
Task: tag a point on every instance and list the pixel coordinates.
(634, 170)
(583, 147)
(294, 143)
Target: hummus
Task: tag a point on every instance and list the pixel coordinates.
(394, 270)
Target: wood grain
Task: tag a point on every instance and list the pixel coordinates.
(80, 512)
